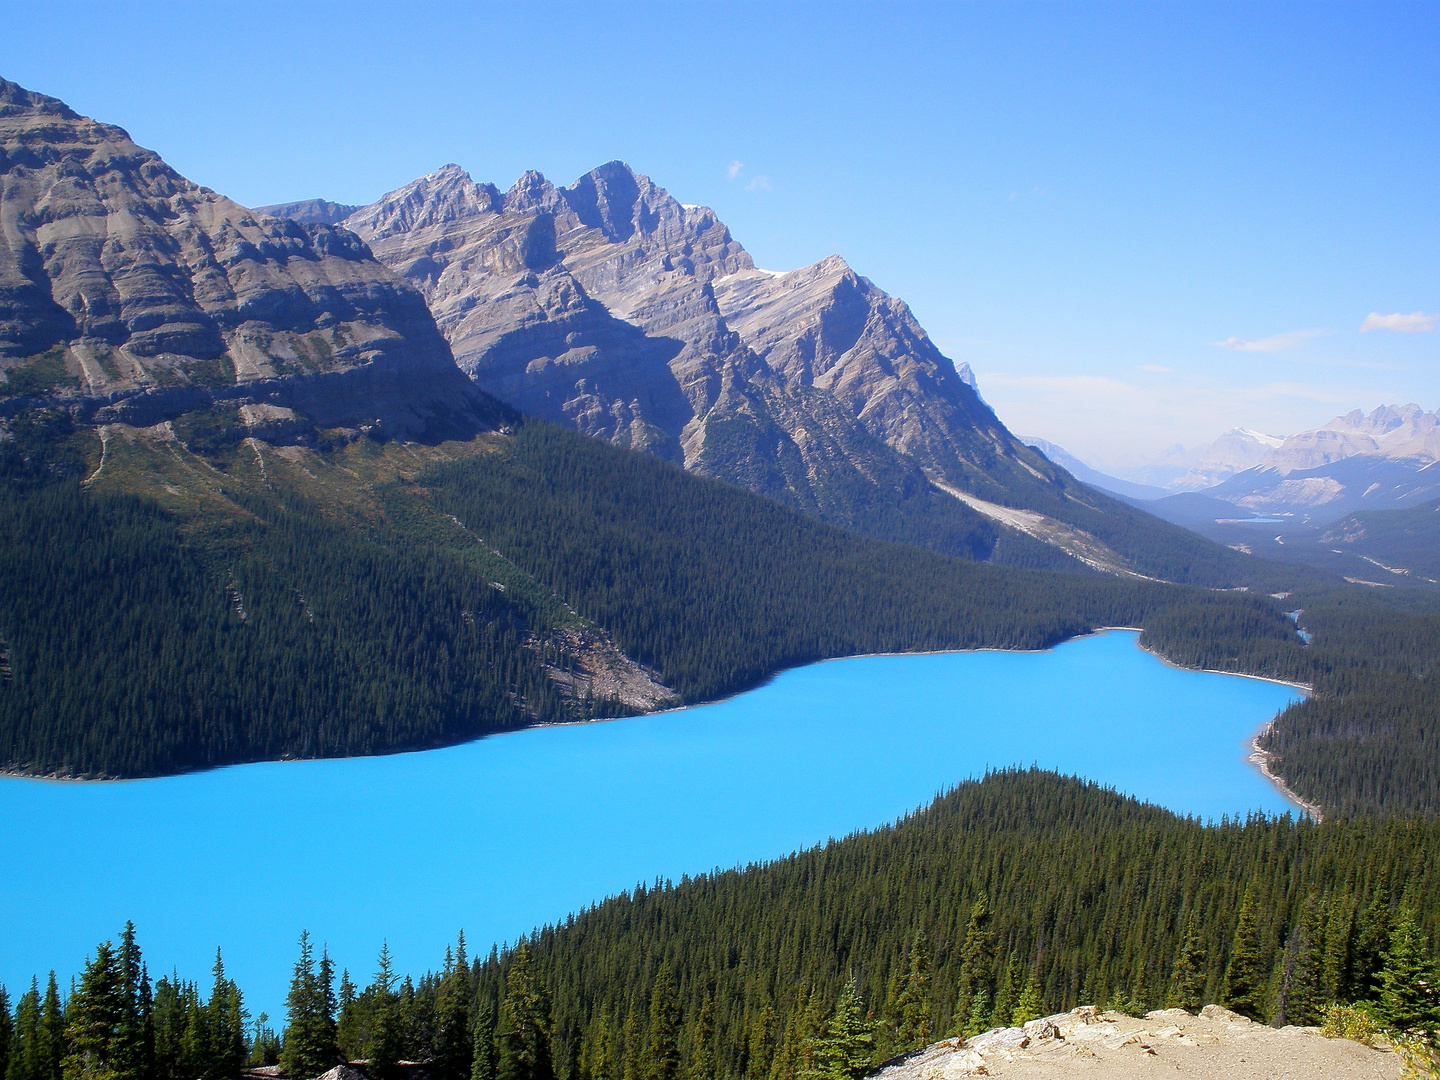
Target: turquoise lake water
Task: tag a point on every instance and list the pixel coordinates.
(499, 835)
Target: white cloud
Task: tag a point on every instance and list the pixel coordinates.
(1416, 322)
(760, 183)
(734, 169)
(1292, 339)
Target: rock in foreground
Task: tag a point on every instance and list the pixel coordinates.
(1168, 1043)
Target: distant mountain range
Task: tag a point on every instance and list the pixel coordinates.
(1352, 496)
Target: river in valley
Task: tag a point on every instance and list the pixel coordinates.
(499, 835)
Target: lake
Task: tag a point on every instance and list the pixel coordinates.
(501, 834)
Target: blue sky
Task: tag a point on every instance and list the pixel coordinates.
(1079, 200)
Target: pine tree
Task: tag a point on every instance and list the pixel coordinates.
(52, 1033)
(482, 1059)
(133, 1047)
(1245, 974)
(384, 1037)
(846, 1049)
(601, 1060)
(760, 1043)
(7, 1032)
(1031, 1005)
(1300, 998)
(94, 1014)
(1339, 942)
(24, 1061)
(662, 1037)
(522, 1038)
(308, 1047)
(910, 1011)
(702, 1042)
(977, 964)
(1009, 991)
(349, 1031)
(1409, 980)
(1188, 976)
(454, 1046)
(634, 1049)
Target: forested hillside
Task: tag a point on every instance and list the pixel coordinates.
(1008, 898)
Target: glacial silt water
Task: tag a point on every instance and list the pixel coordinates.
(501, 834)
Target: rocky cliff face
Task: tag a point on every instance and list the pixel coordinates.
(129, 293)
(610, 306)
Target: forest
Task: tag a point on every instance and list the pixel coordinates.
(1006, 899)
(137, 639)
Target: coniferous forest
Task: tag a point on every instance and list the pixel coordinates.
(264, 617)
(1004, 900)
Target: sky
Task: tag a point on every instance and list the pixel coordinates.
(1141, 224)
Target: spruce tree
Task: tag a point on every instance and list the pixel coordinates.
(1031, 1005)
(662, 1037)
(1247, 970)
(1188, 976)
(633, 1035)
(482, 1053)
(308, 1047)
(1339, 943)
(760, 1043)
(7, 1032)
(1301, 995)
(384, 1037)
(601, 1062)
(910, 1011)
(93, 1017)
(453, 1047)
(702, 1042)
(1009, 991)
(24, 1063)
(522, 1038)
(976, 967)
(846, 1050)
(133, 1047)
(52, 1033)
(1409, 979)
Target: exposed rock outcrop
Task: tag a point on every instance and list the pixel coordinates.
(128, 293)
(610, 306)
(1169, 1042)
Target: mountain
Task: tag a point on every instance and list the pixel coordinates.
(1234, 452)
(128, 293)
(1357, 462)
(1078, 469)
(310, 211)
(614, 309)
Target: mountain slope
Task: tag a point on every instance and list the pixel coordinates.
(611, 307)
(129, 293)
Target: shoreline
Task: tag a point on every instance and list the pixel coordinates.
(1261, 758)
(1253, 759)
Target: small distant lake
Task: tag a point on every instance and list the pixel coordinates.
(499, 835)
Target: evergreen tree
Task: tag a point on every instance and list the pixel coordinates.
(349, 1031)
(1300, 999)
(264, 1044)
(454, 1047)
(522, 1038)
(910, 1009)
(1372, 938)
(601, 1061)
(24, 1063)
(1409, 980)
(384, 1036)
(662, 1037)
(846, 1049)
(1031, 1005)
(760, 1043)
(7, 1032)
(309, 1046)
(1188, 976)
(979, 1021)
(94, 1015)
(482, 1059)
(133, 1046)
(52, 1033)
(1246, 973)
(976, 967)
(702, 1042)
(1339, 943)
(1009, 991)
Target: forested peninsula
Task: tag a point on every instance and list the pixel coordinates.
(1008, 898)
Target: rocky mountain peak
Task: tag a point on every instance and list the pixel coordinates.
(446, 195)
(529, 193)
(14, 96)
(130, 294)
